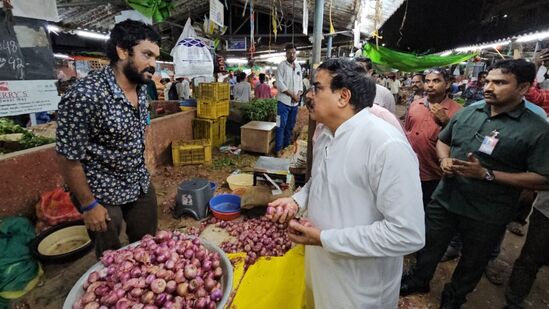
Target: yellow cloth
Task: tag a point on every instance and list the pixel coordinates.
(273, 282)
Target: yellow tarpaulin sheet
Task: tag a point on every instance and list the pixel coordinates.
(272, 283)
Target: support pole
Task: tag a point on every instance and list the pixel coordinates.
(329, 47)
(317, 46)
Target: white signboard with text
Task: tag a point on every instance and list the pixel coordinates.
(27, 96)
(216, 12)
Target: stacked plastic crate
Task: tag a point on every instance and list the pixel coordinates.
(208, 129)
(212, 112)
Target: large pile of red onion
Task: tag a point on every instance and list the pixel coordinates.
(170, 270)
(257, 237)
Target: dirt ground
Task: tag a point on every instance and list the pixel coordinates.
(59, 279)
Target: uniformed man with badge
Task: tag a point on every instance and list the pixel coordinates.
(488, 153)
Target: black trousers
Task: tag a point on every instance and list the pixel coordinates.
(533, 256)
(427, 189)
(141, 218)
(479, 239)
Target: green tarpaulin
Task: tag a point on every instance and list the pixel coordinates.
(409, 62)
(159, 10)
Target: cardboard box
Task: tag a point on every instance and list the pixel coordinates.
(258, 136)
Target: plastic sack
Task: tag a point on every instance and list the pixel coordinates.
(274, 282)
(55, 207)
(191, 56)
(19, 272)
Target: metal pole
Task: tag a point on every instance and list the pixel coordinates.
(317, 46)
(329, 47)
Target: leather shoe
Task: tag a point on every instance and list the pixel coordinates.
(408, 287)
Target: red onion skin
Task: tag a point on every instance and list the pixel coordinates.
(179, 276)
(88, 298)
(182, 289)
(201, 292)
(122, 304)
(158, 286)
(93, 277)
(171, 286)
(200, 303)
(190, 271)
(136, 292)
(102, 290)
(149, 279)
(160, 299)
(148, 297)
(93, 286)
(92, 305)
(209, 284)
(109, 299)
(218, 272)
(216, 295)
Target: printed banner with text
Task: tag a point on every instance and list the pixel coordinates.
(27, 96)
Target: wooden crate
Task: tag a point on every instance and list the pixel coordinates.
(258, 136)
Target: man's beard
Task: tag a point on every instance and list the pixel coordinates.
(134, 76)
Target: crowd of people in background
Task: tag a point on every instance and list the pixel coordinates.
(480, 162)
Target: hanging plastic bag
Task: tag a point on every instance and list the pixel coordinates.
(191, 56)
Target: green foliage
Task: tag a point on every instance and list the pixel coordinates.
(9, 127)
(29, 140)
(260, 110)
(222, 162)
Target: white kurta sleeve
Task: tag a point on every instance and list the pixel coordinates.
(302, 196)
(394, 178)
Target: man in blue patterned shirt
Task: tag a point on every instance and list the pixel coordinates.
(101, 139)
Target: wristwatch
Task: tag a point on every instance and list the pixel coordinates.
(489, 175)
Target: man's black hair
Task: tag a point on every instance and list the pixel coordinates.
(524, 71)
(351, 75)
(365, 61)
(128, 34)
(482, 73)
(262, 77)
(289, 46)
(241, 76)
(420, 75)
(442, 71)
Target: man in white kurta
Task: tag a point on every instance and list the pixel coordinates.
(363, 201)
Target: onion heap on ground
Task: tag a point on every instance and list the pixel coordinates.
(257, 237)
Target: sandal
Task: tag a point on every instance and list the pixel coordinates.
(515, 228)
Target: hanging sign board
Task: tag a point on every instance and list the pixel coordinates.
(27, 96)
(216, 12)
(37, 9)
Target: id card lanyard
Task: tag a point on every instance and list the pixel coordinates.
(489, 143)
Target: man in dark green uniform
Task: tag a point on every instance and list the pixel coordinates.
(488, 154)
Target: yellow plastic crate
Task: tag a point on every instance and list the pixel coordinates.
(213, 130)
(222, 130)
(197, 151)
(214, 91)
(212, 109)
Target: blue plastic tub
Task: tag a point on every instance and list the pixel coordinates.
(188, 103)
(225, 203)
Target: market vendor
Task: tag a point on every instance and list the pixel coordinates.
(101, 139)
(363, 200)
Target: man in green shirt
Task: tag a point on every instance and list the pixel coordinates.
(488, 154)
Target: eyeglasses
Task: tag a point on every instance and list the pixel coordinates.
(313, 89)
